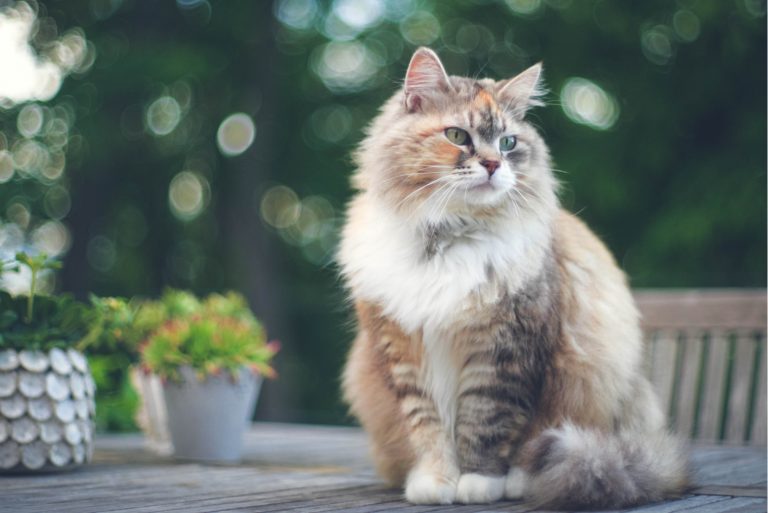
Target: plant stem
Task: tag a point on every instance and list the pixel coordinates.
(31, 299)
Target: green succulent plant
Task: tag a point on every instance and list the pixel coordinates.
(218, 334)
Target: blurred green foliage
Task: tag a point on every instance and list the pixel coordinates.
(656, 119)
(57, 321)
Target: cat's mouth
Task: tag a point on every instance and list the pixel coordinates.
(486, 185)
(486, 191)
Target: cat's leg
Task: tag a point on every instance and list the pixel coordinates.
(434, 476)
(377, 408)
(494, 407)
(391, 377)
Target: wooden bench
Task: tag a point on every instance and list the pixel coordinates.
(706, 357)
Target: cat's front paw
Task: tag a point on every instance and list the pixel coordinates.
(479, 489)
(426, 488)
(517, 480)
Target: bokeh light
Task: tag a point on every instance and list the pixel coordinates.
(297, 14)
(586, 103)
(358, 14)
(57, 202)
(236, 134)
(163, 115)
(30, 120)
(420, 28)
(18, 212)
(55, 166)
(11, 239)
(188, 195)
(524, 7)
(310, 223)
(330, 124)
(280, 206)
(656, 43)
(6, 166)
(344, 66)
(52, 238)
(686, 25)
(35, 76)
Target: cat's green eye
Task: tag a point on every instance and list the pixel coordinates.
(457, 136)
(507, 143)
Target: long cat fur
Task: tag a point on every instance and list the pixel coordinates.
(498, 351)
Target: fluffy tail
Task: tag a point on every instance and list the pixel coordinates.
(576, 468)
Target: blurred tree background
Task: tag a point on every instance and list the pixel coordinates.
(205, 144)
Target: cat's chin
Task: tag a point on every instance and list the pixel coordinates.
(487, 194)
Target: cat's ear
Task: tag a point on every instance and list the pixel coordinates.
(425, 76)
(523, 91)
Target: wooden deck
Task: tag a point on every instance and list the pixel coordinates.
(312, 469)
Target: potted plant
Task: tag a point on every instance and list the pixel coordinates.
(119, 326)
(46, 388)
(211, 356)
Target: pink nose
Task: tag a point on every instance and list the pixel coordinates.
(491, 166)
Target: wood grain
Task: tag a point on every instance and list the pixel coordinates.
(690, 309)
(311, 469)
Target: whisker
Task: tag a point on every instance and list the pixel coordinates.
(447, 199)
(408, 175)
(436, 180)
(443, 192)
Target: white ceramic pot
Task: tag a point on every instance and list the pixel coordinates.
(207, 418)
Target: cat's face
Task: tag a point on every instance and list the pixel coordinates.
(457, 146)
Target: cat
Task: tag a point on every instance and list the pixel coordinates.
(498, 350)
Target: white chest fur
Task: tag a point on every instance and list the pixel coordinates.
(383, 260)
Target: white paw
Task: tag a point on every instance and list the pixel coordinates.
(479, 489)
(422, 488)
(517, 480)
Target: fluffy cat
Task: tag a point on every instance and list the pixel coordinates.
(498, 352)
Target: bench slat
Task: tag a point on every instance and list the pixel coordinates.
(741, 379)
(664, 362)
(758, 434)
(688, 384)
(736, 309)
(714, 387)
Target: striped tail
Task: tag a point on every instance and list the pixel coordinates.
(576, 468)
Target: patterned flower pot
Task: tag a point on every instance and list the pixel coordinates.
(46, 410)
(207, 418)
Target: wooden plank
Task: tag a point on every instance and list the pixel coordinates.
(725, 309)
(122, 480)
(664, 363)
(725, 465)
(741, 386)
(688, 383)
(689, 504)
(757, 434)
(711, 413)
(730, 505)
(731, 491)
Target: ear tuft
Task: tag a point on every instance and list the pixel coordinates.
(524, 91)
(425, 76)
